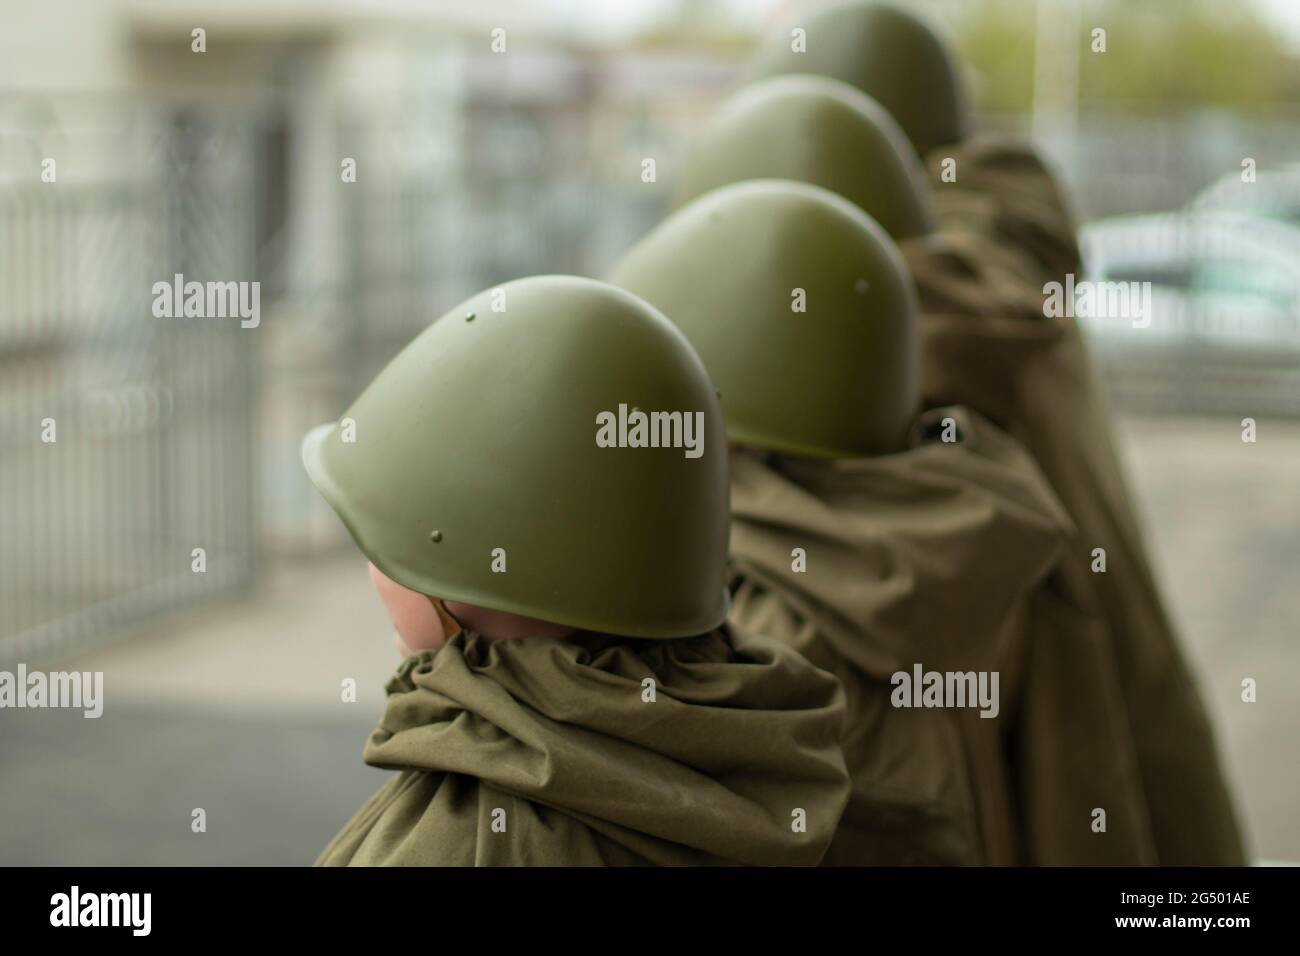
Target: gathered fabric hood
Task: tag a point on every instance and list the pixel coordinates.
(1003, 193)
(593, 749)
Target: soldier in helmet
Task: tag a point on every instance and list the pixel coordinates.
(1005, 234)
(848, 144)
(815, 130)
(886, 52)
(573, 695)
(873, 538)
(906, 66)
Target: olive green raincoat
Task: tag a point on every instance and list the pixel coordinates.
(932, 556)
(600, 750)
(1004, 231)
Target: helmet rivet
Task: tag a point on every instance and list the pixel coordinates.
(469, 316)
(861, 286)
(435, 536)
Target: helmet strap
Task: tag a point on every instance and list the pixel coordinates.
(450, 626)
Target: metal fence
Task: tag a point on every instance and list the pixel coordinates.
(126, 441)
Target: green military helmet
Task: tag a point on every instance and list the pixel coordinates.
(887, 53)
(802, 310)
(820, 131)
(499, 460)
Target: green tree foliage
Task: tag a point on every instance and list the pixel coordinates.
(1159, 53)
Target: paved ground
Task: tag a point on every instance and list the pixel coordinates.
(122, 789)
(1224, 523)
(238, 709)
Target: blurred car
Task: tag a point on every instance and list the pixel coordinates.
(1221, 283)
(1275, 194)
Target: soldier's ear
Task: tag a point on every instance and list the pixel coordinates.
(412, 614)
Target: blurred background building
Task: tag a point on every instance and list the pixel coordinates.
(474, 166)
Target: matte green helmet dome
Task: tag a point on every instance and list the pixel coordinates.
(820, 131)
(802, 310)
(887, 53)
(507, 434)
